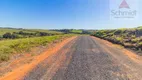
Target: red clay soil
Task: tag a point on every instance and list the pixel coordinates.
(21, 71)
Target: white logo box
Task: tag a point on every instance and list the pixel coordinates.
(123, 9)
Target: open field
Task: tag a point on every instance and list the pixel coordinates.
(8, 47)
(73, 31)
(11, 30)
(18, 40)
(12, 33)
(3, 31)
(76, 31)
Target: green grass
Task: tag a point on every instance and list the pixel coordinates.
(41, 30)
(9, 47)
(76, 31)
(5, 30)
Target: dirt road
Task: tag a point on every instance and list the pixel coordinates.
(88, 58)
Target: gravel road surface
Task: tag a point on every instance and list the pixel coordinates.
(87, 58)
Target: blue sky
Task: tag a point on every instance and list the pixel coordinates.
(59, 14)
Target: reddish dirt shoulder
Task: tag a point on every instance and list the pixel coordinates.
(21, 71)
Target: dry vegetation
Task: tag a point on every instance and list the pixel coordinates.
(129, 38)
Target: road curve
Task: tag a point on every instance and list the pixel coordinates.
(87, 58)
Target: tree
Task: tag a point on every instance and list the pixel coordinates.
(9, 35)
(21, 32)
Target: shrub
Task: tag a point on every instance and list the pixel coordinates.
(21, 32)
(135, 40)
(9, 35)
(4, 57)
(120, 39)
(140, 45)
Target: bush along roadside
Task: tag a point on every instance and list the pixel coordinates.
(9, 47)
(129, 38)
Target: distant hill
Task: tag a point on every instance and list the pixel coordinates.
(20, 32)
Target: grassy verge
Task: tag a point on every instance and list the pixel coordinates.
(129, 38)
(9, 47)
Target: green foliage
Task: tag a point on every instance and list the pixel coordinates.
(135, 40)
(9, 36)
(76, 31)
(120, 39)
(140, 44)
